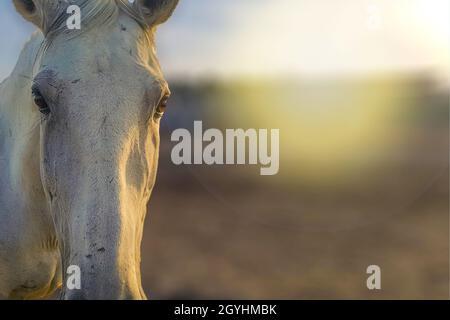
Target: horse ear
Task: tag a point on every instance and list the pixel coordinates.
(29, 10)
(158, 11)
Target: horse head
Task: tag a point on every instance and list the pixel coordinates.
(99, 94)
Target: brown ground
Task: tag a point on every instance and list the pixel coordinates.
(212, 234)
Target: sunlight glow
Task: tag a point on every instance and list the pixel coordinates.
(323, 38)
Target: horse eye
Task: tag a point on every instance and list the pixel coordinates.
(161, 109)
(39, 100)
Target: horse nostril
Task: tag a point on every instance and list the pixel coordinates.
(29, 5)
(26, 6)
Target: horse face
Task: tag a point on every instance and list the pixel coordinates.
(100, 94)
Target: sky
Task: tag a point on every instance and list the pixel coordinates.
(233, 38)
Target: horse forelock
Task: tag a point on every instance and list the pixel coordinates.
(93, 13)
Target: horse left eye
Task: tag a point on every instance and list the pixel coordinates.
(39, 100)
(161, 109)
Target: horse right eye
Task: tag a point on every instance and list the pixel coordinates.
(161, 108)
(39, 100)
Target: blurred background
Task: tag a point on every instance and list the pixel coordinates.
(360, 92)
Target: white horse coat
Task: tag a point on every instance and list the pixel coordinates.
(79, 140)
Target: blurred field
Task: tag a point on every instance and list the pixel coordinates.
(225, 232)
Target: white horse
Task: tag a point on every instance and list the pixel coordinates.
(79, 139)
